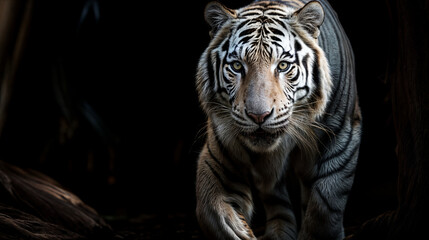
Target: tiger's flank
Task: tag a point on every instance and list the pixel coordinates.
(277, 84)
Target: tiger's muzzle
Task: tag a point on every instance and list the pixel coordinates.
(259, 118)
(265, 130)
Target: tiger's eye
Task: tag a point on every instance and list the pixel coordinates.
(283, 66)
(237, 66)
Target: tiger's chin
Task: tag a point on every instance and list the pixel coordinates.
(261, 140)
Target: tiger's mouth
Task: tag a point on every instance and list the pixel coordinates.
(262, 137)
(260, 133)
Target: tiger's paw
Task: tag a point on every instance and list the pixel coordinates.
(281, 235)
(236, 223)
(277, 237)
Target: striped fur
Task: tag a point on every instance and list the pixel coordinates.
(277, 84)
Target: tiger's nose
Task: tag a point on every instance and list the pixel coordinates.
(259, 118)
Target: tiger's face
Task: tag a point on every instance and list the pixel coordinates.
(263, 76)
(264, 72)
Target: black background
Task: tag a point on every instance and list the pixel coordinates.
(125, 82)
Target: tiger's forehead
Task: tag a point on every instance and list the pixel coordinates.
(268, 9)
(261, 31)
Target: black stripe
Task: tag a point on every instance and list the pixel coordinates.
(316, 72)
(327, 202)
(253, 8)
(216, 174)
(276, 124)
(281, 23)
(238, 116)
(350, 174)
(298, 46)
(278, 14)
(290, 98)
(225, 46)
(317, 93)
(247, 32)
(333, 145)
(226, 79)
(232, 99)
(210, 71)
(305, 65)
(285, 53)
(278, 45)
(266, 20)
(224, 150)
(343, 111)
(281, 115)
(250, 14)
(242, 25)
(276, 31)
(343, 164)
(346, 106)
(295, 77)
(216, 70)
(245, 39)
(274, 38)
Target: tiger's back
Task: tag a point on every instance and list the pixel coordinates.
(278, 86)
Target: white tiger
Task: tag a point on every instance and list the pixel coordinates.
(277, 83)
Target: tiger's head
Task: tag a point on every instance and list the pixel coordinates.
(263, 74)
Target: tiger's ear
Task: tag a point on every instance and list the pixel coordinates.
(311, 16)
(216, 15)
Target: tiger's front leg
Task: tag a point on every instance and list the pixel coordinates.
(224, 206)
(325, 197)
(270, 180)
(280, 219)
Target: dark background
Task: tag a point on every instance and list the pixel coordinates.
(105, 103)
